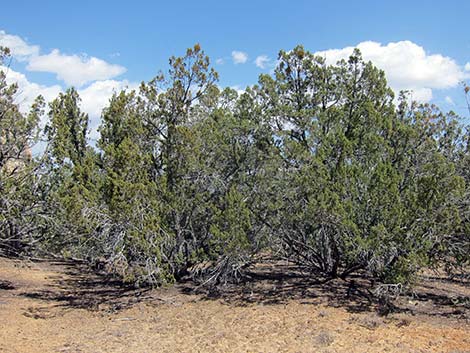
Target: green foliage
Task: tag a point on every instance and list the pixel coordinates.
(67, 128)
(316, 164)
(365, 186)
(72, 179)
(19, 183)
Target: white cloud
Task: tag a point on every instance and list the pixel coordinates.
(239, 89)
(28, 91)
(261, 61)
(18, 47)
(76, 70)
(449, 100)
(407, 66)
(419, 94)
(96, 96)
(220, 61)
(239, 57)
(73, 69)
(467, 67)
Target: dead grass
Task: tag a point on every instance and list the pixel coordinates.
(61, 307)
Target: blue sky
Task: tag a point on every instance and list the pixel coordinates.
(99, 46)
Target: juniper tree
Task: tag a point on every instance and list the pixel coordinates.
(72, 177)
(315, 163)
(236, 161)
(19, 184)
(349, 202)
(189, 79)
(136, 241)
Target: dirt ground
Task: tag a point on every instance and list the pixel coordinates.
(60, 307)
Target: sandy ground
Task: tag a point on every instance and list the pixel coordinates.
(59, 307)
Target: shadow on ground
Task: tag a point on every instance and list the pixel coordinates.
(73, 285)
(6, 285)
(274, 283)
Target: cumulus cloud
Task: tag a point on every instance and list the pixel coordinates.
(93, 77)
(27, 93)
(18, 47)
(239, 89)
(27, 90)
(407, 66)
(261, 61)
(239, 57)
(76, 70)
(96, 96)
(73, 69)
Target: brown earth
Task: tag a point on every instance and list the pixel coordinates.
(61, 307)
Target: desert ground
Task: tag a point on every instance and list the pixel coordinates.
(56, 306)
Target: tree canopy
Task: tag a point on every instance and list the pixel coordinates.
(318, 164)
